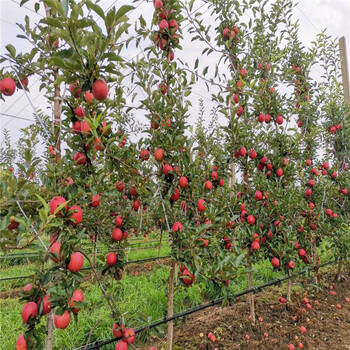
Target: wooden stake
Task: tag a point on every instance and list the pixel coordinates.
(289, 288)
(49, 330)
(344, 69)
(171, 306)
(251, 295)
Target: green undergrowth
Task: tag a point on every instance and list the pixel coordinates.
(142, 300)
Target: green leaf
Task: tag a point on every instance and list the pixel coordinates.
(123, 10)
(65, 6)
(11, 49)
(96, 8)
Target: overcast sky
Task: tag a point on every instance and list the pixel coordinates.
(314, 15)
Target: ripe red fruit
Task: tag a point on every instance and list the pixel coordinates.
(21, 343)
(111, 259)
(261, 118)
(303, 329)
(243, 151)
(29, 310)
(129, 336)
(55, 203)
(252, 154)
(7, 86)
(221, 182)
(28, 287)
(76, 215)
(159, 154)
(301, 253)
(98, 145)
(80, 112)
(214, 175)
(311, 182)
(158, 4)
(144, 154)
(85, 127)
(291, 264)
(77, 296)
(117, 234)
(279, 172)
(176, 195)
(267, 118)
(247, 337)
(55, 249)
(136, 205)
(329, 212)
(325, 165)
(183, 182)
(240, 111)
(46, 304)
(163, 24)
(235, 98)
(275, 262)
(251, 220)
(279, 120)
(62, 321)
(75, 90)
(255, 246)
(334, 175)
(100, 90)
(89, 97)
(79, 158)
(308, 162)
(188, 277)
(121, 346)
(208, 185)
(120, 186)
(339, 306)
(263, 160)
(177, 226)
(77, 127)
(291, 347)
(301, 346)
(76, 262)
(95, 200)
(173, 24)
(258, 195)
(119, 221)
(166, 169)
(201, 205)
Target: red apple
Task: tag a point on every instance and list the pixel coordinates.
(46, 304)
(79, 158)
(77, 296)
(100, 90)
(183, 182)
(129, 336)
(76, 215)
(21, 343)
(117, 234)
(62, 321)
(95, 200)
(177, 226)
(201, 205)
(7, 86)
(111, 259)
(30, 310)
(159, 154)
(275, 262)
(55, 249)
(55, 203)
(76, 262)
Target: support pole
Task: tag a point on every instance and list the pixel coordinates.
(171, 307)
(344, 69)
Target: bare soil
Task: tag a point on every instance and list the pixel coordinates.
(328, 328)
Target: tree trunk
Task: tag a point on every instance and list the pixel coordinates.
(171, 306)
(340, 265)
(251, 295)
(95, 251)
(49, 331)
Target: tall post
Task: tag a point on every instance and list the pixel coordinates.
(344, 69)
(57, 147)
(171, 306)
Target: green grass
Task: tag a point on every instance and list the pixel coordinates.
(142, 299)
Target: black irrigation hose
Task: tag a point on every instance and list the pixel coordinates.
(34, 255)
(89, 268)
(202, 307)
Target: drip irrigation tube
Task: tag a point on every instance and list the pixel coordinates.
(99, 344)
(89, 268)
